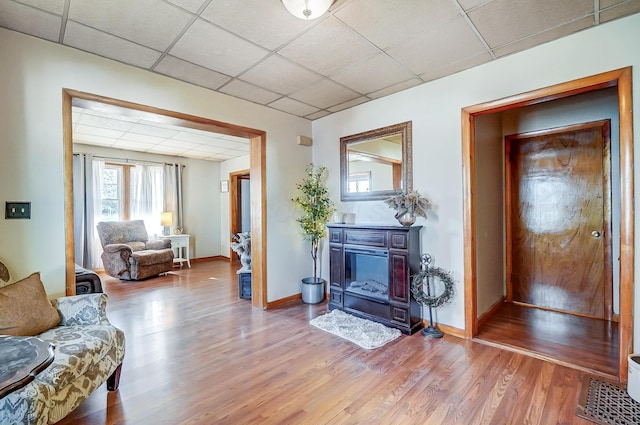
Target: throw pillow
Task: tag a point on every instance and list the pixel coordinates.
(25, 309)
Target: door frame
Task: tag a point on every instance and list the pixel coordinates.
(257, 149)
(604, 127)
(234, 177)
(621, 79)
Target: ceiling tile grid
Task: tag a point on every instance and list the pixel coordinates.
(256, 51)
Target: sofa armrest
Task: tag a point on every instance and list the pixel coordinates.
(158, 244)
(87, 309)
(116, 247)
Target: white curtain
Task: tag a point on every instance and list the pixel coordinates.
(147, 195)
(173, 192)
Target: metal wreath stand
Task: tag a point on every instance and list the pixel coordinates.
(423, 280)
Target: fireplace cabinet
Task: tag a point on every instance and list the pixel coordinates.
(370, 273)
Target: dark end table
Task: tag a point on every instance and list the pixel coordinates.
(21, 359)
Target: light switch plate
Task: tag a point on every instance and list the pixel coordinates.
(17, 210)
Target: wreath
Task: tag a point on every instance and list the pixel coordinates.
(433, 301)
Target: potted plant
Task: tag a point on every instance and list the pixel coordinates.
(317, 209)
(408, 206)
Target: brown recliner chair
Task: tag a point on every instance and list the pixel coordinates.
(128, 254)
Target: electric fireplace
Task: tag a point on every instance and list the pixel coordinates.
(370, 273)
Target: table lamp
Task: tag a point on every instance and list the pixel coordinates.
(166, 220)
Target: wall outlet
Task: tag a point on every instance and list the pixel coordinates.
(17, 210)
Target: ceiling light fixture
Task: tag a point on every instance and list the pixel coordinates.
(307, 9)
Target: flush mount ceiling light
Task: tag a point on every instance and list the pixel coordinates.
(307, 9)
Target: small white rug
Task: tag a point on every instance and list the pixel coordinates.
(365, 333)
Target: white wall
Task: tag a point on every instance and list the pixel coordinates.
(35, 71)
(435, 109)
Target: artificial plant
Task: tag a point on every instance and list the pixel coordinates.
(317, 208)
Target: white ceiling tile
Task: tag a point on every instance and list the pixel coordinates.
(28, 20)
(249, 92)
(471, 4)
(179, 144)
(526, 18)
(97, 131)
(270, 75)
(88, 139)
(395, 88)
(103, 44)
(53, 6)
(266, 23)
(620, 10)
(195, 138)
(292, 106)
(317, 115)
(440, 70)
(217, 49)
(237, 139)
(162, 21)
(129, 144)
(381, 72)
(450, 42)
(349, 104)
(543, 37)
(191, 73)
(153, 130)
(143, 138)
(191, 5)
(93, 120)
(208, 149)
(170, 150)
(328, 47)
(325, 93)
(391, 22)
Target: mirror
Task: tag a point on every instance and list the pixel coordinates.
(376, 164)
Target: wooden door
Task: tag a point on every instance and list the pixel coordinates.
(558, 219)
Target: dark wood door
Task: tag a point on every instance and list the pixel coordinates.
(558, 219)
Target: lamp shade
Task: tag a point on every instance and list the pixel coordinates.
(166, 218)
(307, 9)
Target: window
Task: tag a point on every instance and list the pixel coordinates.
(360, 182)
(112, 193)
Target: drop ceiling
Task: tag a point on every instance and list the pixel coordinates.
(255, 50)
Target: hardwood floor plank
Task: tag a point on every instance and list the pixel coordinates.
(198, 354)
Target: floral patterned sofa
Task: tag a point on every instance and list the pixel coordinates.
(88, 351)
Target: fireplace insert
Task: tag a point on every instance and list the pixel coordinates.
(366, 272)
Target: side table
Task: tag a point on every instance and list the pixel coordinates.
(21, 359)
(180, 245)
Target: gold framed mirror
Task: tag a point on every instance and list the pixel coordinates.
(376, 164)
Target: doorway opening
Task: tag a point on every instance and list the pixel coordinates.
(257, 142)
(484, 128)
(239, 204)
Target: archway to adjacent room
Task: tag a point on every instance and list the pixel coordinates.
(618, 80)
(257, 142)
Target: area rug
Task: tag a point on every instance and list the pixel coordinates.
(605, 402)
(365, 333)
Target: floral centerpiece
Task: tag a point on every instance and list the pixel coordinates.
(408, 206)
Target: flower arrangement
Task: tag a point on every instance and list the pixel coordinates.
(410, 202)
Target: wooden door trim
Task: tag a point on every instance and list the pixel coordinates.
(620, 78)
(233, 204)
(257, 143)
(604, 127)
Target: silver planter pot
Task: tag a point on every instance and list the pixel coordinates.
(313, 290)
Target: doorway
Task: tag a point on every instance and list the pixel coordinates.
(475, 266)
(257, 142)
(239, 204)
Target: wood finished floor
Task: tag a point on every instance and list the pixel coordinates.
(588, 344)
(197, 354)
